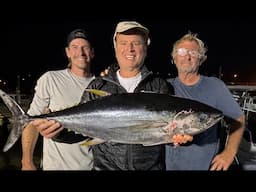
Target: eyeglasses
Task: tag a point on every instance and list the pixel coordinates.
(183, 52)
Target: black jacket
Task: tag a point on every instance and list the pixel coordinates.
(116, 156)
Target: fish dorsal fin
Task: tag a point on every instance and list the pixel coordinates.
(91, 142)
(98, 92)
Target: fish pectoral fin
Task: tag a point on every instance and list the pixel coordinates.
(98, 92)
(149, 125)
(94, 141)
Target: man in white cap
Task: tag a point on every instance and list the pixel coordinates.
(56, 90)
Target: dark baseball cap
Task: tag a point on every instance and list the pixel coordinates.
(78, 33)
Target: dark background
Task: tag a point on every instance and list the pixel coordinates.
(33, 36)
(36, 42)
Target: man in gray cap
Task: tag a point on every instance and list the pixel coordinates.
(56, 90)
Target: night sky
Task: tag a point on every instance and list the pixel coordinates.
(37, 45)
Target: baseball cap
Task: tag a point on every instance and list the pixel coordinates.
(77, 33)
(127, 25)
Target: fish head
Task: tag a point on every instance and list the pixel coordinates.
(194, 122)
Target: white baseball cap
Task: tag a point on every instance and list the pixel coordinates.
(127, 25)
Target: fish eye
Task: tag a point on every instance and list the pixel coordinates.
(185, 127)
(203, 117)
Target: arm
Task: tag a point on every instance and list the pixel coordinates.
(47, 128)
(52, 129)
(28, 140)
(30, 134)
(223, 160)
(234, 114)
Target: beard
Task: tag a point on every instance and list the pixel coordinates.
(188, 68)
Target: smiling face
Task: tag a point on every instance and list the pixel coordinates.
(80, 53)
(130, 50)
(187, 57)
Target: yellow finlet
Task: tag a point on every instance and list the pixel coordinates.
(91, 142)
(98, 92)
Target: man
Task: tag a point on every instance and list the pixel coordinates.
(56, 90)
(202, 154)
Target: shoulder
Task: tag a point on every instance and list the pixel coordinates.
(214, 84)
(158, 83)
(213, 81)
(154, 78)
(96, 82)
(53, 73)
(50, 76)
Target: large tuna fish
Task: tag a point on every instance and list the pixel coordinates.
(132, 118)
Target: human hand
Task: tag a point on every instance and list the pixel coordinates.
(181, 139)
(104, 73)
(47, 110)
(47, 128)
(222, 161)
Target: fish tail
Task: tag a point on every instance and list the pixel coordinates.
(18, 120)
